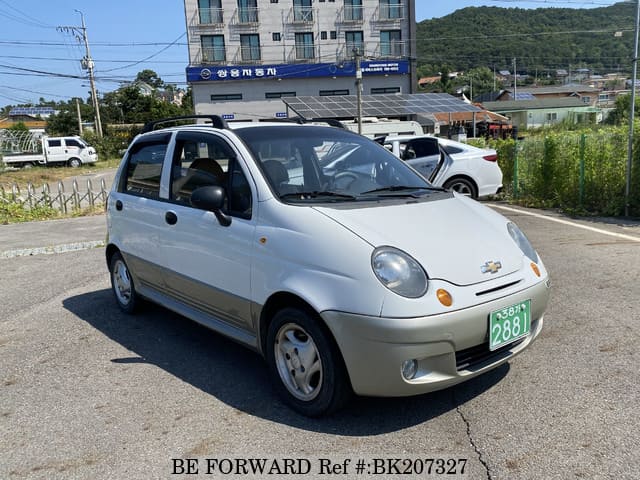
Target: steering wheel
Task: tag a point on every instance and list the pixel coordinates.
(344, 180)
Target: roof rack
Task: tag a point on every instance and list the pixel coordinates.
(329, 121)
(216, 121)
(301, 121)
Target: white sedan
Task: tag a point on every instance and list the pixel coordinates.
(473, 171)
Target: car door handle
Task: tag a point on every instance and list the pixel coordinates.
(171, 218)
(119, 205)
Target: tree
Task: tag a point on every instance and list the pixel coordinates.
(151, 78)
(620, 114)
(18, 127)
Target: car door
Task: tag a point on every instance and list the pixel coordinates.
(423, 154)
(55, 150)
(136, 212)
(209, 264)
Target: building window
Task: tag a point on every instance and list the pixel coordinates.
(391, 43)
(586, 100)
(352, 10)
(270, 95)
(304, 46)
(250, 47)
(226, 97)
(552, 117)
(276, 37)
(274, 1)
(354, 41)
(383, 90)
(302, 11)
(210, 11)
(330, 93)
(213, 49)
(247, 11)
(390, 9)
(323, 35)
(333, 35)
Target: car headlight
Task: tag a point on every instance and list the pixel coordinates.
(522, 241)
(399, 272)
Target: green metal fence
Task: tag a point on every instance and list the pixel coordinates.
(576, 172)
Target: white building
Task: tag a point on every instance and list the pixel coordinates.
(245, 55)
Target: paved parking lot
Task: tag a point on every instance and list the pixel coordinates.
(87, 392)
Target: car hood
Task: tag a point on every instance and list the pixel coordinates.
(452, 238)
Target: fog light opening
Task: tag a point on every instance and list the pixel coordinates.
(409, 369)
(535, 269)
(444, 297)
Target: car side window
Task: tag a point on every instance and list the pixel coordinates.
(202, 160)
(72, 142)
(144, 169)
(423, 147)
(451, 149)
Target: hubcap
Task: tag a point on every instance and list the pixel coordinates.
(122, 282)
(298, 362)
(462, 188)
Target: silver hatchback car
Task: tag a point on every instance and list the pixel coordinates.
(318, 248)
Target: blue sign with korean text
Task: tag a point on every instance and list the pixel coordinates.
(284, 71)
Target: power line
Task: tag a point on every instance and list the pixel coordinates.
(23, 18)
(149, 57)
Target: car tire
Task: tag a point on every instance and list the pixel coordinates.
(122, 284)
(463, 186)
(305, 365)
(74, 162)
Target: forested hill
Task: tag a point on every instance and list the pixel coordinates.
(543, 39)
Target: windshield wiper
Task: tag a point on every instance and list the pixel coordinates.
(401, 188)
(316, 195)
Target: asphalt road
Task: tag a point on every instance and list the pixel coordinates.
(89, 393)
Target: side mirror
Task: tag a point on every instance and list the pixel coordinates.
(211, 198)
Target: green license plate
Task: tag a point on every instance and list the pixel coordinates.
(509, 324)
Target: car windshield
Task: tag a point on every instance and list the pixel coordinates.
(327, 164)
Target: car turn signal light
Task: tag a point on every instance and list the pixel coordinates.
(444, 297)
(535, 269)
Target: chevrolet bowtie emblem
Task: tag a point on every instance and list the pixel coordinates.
(491, 267)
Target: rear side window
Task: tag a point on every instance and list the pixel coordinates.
(55, 143)
(450, 149)
(144, 169)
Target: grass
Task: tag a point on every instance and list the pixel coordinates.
(11, 212)
(40, 175)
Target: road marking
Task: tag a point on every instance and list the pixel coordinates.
(567, 222)
(50, 250)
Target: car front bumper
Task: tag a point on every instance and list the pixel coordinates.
(450, 347)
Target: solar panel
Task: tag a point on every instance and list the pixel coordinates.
(377, 105)
(524, 96)
(32, 111)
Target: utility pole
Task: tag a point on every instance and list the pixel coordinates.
(632, 114)
(87, 64)
(515, 80)
(357, 56)
(79, 117)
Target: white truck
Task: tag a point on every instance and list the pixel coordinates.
(72, 151)
(373, 127)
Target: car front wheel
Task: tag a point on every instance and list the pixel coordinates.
(305, 364)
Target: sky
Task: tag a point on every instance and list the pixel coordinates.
(126, 37)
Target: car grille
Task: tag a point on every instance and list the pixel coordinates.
(476, 357)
